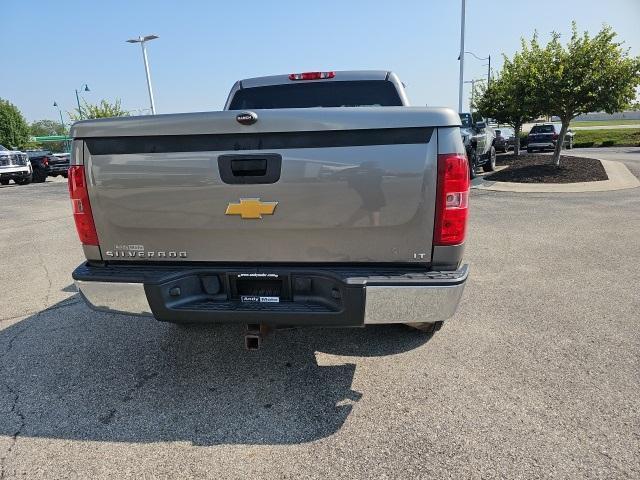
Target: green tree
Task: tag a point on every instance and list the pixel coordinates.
(589, 74)
(43, 128)
(14, 130)
(104, 109)
(511, 97)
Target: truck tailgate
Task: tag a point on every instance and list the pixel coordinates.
(302, 185)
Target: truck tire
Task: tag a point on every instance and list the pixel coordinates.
(39, 176)
(427, 327)
(472, 156)
(490, 164)
(25, 181)
(4, 181)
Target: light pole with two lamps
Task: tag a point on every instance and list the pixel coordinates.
(141, 40)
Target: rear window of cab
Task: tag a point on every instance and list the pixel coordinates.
(354, 93)
(542, 129)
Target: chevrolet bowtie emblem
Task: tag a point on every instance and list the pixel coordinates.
(251, 208)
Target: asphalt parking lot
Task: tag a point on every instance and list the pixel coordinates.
(537, 375)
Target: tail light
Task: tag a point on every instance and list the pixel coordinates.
(555, 136)
(81, 208)
(452, 199)
(45, 161)
(312, 75)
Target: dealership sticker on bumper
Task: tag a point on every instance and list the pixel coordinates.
(255, 298)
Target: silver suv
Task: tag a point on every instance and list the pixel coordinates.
(478, 139)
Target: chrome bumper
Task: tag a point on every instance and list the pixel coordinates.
(383, 304)
(541, 145)
(411, 304)
(115, 297)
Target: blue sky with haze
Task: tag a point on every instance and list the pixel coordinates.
(50, 48)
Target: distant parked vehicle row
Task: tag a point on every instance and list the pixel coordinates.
(545, 137)
(31, 166)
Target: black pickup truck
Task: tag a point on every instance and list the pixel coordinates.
(46, 164)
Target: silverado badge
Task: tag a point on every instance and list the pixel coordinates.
(251, 208)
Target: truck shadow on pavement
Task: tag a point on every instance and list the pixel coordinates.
(70, 373)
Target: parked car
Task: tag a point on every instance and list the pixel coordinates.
(545, 136)
(59, 165)
(478, 139)
(505, 139)
(14, 165)
(46, 164)
(268, 239)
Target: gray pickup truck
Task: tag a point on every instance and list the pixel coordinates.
(275, 212)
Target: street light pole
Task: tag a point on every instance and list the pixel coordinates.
(55, 104)
(142, 40)
(85, 89)
(461, 58)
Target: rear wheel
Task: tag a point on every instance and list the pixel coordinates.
(472, 156)
(39, 176)
(490, 165)
(529, 150)
(4, 181)
(25, 180)
(427, 327)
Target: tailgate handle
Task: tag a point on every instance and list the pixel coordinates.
(248, 169)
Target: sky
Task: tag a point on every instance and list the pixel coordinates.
(50, 48)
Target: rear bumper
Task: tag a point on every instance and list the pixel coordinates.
(327, 296)
(549, 144)
(58, 169)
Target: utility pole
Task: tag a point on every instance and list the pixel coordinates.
(461, 58)
(142, 40)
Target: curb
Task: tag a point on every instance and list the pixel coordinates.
(620, 178)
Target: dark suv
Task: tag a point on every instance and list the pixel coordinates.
(505, 139)
(545, 136)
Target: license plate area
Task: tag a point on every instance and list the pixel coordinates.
(259, 287)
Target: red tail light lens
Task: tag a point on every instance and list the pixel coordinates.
(452, 199)
(555, 136)
(45, 161)
(312, 75)
(81, 208)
